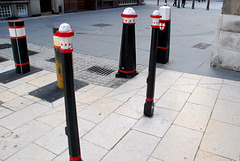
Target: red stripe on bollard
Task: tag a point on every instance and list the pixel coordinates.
(123, 71)
(17, 27)
(22, 64)
(75, 158)
(129, 16)
(162, 47)
(20, 37)
(149, 99)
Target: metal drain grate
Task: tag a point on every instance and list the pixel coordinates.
(5, 46)
(201, 46)
(30, 52)
(101, 25)
(52, 60)
(100, 70)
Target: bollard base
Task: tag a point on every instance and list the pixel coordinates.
(148, 108)
(126, 75)
(76, 158)
(163, 56)
(25, 69)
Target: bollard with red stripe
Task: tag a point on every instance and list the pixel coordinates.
(19, 46)
(127, 63)
(149, 104)
(65, 34)
(164, 35)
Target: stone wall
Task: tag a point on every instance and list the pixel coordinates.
(226, 48)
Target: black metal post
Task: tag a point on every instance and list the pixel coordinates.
(149, 104)
(193, 4)
(65, 33)
(158, 2)
(127, 62)
(208, 4)
(19, 46)
(178, 4)
(70, 107)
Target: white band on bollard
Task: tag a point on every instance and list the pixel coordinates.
(129, 16)
(155, 18)
(17, 32)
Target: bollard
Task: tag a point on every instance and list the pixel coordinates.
(127, 63)
(164, 35)
(193, 4)
(65, 34)
(208, 4)
(58, 58)
(149, 104)
(178, 4)
(19, 46)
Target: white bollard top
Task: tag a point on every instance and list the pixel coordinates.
(155, 18)
(156, 13)
(129, 11)
(165, 11)
(65, 27)
(129, 16)
(65, 34)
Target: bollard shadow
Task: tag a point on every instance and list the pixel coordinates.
(11, 75)
(51, 92)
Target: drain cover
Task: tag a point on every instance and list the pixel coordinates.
(52, 60)
(201, 46)
(5, 46)
(100, 70)
(30, 52)
(101, 25)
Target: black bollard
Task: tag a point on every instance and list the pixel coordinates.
(19, 46)
(65, 34)
(164, 35)
(127, 62)
(58, 58)
(149, 104)
(193, 4)
(208, 4)
(178, 4)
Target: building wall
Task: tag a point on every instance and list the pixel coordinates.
(37, 7)
(226, 48)
(34, 8)
(13, 9)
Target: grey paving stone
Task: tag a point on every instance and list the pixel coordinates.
(105, 135)
(221, 139)
(32, 152)
(157, 125)
(19, 138)
(171, 146)
(134, 146)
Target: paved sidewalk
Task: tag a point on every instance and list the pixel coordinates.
(195, 118)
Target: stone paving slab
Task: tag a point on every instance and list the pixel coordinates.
(203, 123)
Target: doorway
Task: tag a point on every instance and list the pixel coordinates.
(45, 6)
(81, 4)
(99, 3)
